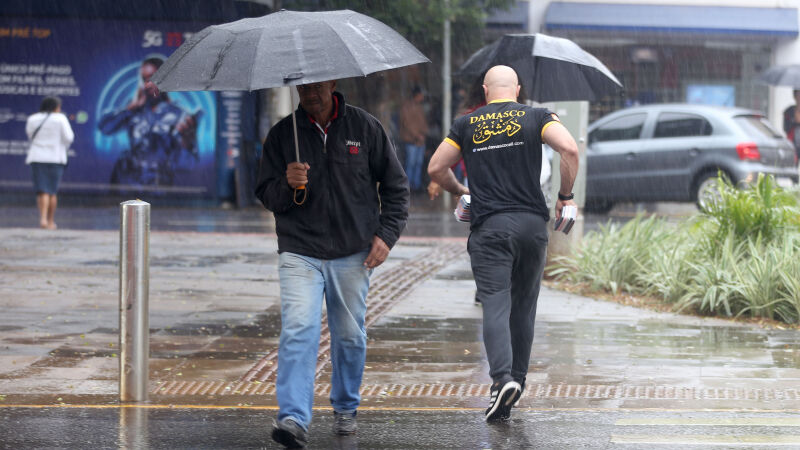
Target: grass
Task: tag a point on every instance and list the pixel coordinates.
(738, 258)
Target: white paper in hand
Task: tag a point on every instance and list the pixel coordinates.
(568, 215)
(462, 212)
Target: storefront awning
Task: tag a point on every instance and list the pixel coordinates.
(733, 22)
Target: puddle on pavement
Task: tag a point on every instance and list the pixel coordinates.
(648, 340)
(217, 355)
(427, 353)
(100, 262)
(568, 342)
(44, 237)
(426, 329)
(211, 261)
(74, 352)
(39, 339)
(265, 325)
(56, 361)
(454, 275)
(417, 244)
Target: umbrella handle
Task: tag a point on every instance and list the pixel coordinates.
(305, 195)
(294, 126)
(297, 154)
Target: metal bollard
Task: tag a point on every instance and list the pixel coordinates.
(134, 288)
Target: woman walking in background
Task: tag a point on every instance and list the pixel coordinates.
(50, 136)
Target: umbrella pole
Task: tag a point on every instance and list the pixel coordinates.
(296, 152)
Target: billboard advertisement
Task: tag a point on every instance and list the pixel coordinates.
(126, 138)
(711, 94)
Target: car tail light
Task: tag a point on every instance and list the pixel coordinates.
(748, 151)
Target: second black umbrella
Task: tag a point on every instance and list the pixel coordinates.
(549, 68)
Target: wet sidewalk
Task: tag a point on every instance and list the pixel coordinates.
(214, 319)
(428, 217)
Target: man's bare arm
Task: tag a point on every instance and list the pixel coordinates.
(557, 137)
(439, 168)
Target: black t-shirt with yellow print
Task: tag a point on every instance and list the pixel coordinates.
(501, 144)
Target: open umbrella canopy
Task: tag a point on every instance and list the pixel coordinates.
(285, 48)
(788, 75)
(549, 68)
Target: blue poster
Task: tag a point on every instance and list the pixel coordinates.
(711, 94)
(129, 138)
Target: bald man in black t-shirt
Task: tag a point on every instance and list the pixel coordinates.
(501, 144)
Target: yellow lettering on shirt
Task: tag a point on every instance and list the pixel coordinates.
(495, 124)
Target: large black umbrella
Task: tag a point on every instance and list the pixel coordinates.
(549, 68)
(285, 48)
(788, 75)
(282, 49)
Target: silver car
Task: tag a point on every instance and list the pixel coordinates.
(673, 152)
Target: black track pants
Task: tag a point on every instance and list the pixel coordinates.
(508, 257)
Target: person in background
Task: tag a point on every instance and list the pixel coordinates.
(50, 135)
(413, 131)
(354, 205)
(791, 122)
(501, 144)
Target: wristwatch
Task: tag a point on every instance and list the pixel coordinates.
(566, 197)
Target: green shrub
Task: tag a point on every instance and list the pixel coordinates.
(763, 209)
(612, 257)
(738, 257)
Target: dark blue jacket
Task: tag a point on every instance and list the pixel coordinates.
(357, 188)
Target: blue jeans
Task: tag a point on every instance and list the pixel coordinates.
(344, 282)
(415, 154)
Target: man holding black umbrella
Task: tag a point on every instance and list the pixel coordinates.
(501, 144)
(791, 122)
(354, 207)
(339, 194)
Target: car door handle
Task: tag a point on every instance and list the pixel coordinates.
(694, 152)
(630, 156)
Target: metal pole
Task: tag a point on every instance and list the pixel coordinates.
(134, 287)
(446, 87)
(446, 78)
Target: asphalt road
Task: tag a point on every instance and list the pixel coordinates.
(166, 427)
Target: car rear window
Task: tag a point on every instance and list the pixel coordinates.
(680, 125)
(757, 124)
(620, 129)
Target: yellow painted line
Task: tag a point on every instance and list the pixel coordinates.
(389, 408)
(705, 439)
(255, 407)
(713, 421)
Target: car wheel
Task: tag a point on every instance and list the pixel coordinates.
(707, 189)
(598, 206)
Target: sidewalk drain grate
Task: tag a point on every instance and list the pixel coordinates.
(385, 291)
(539, 391)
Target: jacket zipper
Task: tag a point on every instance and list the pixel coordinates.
(328, 202)
(324, 136)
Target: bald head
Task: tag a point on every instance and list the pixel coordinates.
(501, 82)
